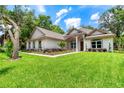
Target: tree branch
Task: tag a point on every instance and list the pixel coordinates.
(11, 21)
(11, 36)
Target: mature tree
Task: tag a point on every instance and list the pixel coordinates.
(13, 31)
(57, 29)
(44, 22)
(113, 20)
(25, 20)
(27, 27)
(3, 9)
(12, 21)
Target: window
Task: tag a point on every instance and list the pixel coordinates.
(99, 44)
(39, 44)
(96, 44)
(29, 46)
(93, 44)
(73, 44)
(33, 44)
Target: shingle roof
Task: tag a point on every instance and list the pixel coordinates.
(51, 34)
(98, 36)
(88, 31)
(54, 35)
(85, 30)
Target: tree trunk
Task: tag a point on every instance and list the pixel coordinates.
(14, 37)
(15, 53)
(15, 41)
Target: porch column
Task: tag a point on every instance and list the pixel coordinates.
(31, 44)
(27, 45)
(77, 49)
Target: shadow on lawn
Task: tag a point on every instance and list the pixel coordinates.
(5, 70)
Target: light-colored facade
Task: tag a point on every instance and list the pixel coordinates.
(77, 39)
(43, 39)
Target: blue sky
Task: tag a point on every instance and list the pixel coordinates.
(71, 15)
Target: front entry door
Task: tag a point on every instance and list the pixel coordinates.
(81, 46)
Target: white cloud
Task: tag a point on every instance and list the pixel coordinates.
(95, 16)
(58, 20)
(72, 22)
(61, 12)
(41, 8)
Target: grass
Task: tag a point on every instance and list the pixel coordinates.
(81, 70)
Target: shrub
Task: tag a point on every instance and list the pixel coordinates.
(62, 44)
(97, 49)
(1, 50)
(8, 48)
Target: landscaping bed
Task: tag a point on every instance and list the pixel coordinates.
(50, 51)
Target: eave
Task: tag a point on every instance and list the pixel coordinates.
(100, 36)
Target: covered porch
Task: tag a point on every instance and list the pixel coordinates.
(76, 42)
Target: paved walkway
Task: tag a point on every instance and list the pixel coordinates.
(50, 55)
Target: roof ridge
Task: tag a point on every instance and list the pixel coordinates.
(48, 30)
(49, 33)
(85, 28)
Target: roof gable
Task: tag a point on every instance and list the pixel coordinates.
(79, 30)
(70, 30)
(36, 34)
(73, 32)
(41, 32)
(97, 32)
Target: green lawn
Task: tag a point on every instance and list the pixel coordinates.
(75, 70)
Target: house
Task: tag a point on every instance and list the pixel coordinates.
(78, 39)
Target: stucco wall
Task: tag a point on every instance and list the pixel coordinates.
(31, 45)
(87, 44)
(36, 34)
(108, 44)
(50, 43)
(36, 44)
(45, 44)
